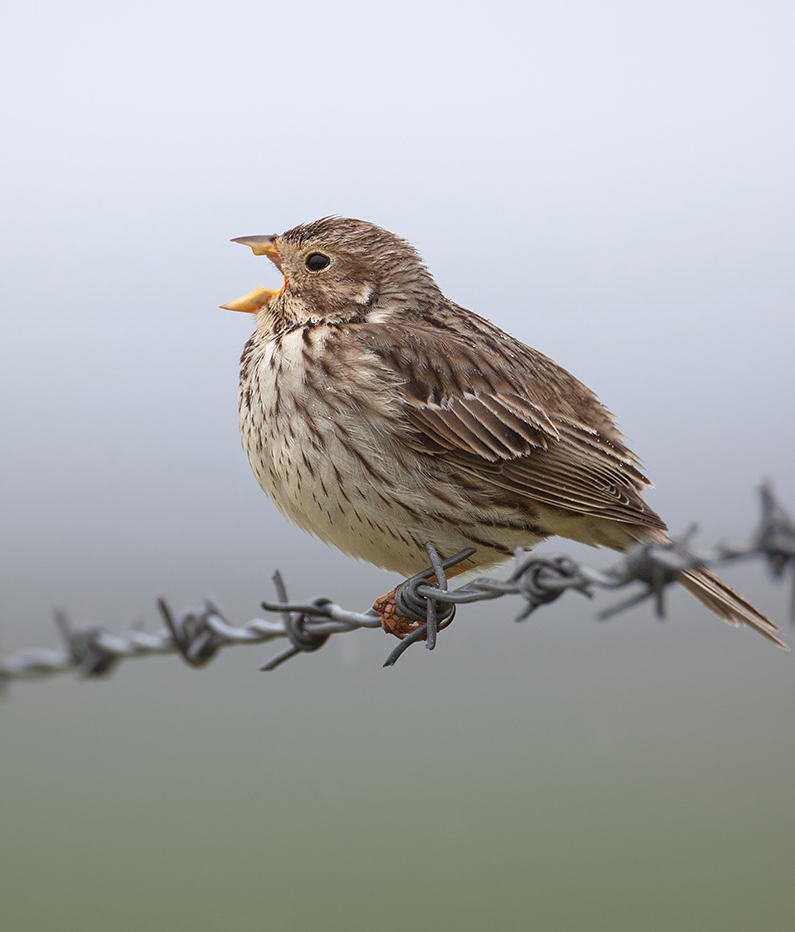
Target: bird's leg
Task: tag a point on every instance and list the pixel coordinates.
(401, 625)
(393, 622)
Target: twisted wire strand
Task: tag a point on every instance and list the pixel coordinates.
(198, 634)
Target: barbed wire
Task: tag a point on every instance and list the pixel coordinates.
(421, 606)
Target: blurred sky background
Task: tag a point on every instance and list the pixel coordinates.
(612, 182)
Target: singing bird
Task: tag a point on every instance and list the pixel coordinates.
(378, 414)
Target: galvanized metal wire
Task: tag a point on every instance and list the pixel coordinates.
(198, 634)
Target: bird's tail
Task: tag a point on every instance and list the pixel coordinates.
(719, 596)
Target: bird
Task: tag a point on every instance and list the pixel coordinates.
(378, 414)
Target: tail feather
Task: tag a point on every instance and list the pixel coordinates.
(719, 596)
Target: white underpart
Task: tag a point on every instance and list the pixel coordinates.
(335, 496)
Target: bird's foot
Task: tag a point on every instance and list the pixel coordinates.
(399, 625)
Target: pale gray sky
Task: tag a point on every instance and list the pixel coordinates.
(610, 181)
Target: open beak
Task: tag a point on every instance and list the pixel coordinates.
(259, 297)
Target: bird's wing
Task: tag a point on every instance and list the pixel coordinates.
(496, 408)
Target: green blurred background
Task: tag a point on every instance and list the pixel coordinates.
(611, 182)
(562, 773)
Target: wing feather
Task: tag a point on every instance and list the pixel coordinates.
(513, 419)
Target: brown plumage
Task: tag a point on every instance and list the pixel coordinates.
(378, 414)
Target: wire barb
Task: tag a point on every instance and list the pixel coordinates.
(775, 538)
(418, 599)
(198, 635)
(301, 637)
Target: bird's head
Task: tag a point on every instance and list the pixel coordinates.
(338, 269)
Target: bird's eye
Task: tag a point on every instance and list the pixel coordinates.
(316, 261)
